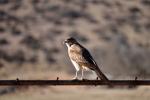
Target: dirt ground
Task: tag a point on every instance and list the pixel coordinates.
(79, 93)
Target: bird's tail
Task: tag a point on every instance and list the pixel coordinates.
(101, 75)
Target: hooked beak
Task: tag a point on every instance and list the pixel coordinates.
(64, 42)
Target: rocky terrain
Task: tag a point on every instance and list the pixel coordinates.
(116, 32)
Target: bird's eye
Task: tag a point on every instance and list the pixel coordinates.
(65, 41)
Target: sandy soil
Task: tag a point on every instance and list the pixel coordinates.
(79, 93)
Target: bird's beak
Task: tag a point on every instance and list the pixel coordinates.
(64, 42)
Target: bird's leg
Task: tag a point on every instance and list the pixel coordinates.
(76, 76)
(82, 74)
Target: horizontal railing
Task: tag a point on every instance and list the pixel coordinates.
(74, 82)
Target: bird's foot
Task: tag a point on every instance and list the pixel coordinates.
(75, 78)
(84, 79)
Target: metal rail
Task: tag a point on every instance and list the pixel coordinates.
(18, 82)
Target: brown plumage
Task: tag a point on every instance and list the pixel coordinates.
(82, 59)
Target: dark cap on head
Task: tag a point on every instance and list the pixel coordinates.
(70, 41)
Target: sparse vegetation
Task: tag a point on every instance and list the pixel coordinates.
(115, 31)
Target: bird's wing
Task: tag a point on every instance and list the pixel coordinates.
(83, 58)
(94, 66)
(87, 56)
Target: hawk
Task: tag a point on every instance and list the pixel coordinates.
(82, 59)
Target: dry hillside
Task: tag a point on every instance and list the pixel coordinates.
(116, 32)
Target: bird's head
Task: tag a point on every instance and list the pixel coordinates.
(70, 41)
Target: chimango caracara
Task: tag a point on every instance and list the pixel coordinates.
(82, 59)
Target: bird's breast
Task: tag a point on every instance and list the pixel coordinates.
(74, 53)
(75, 50)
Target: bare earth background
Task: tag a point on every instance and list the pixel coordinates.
(116, 32)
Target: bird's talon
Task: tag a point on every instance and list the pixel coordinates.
(84, 79)
(75, 78)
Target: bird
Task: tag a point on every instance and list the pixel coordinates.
(82, 59)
